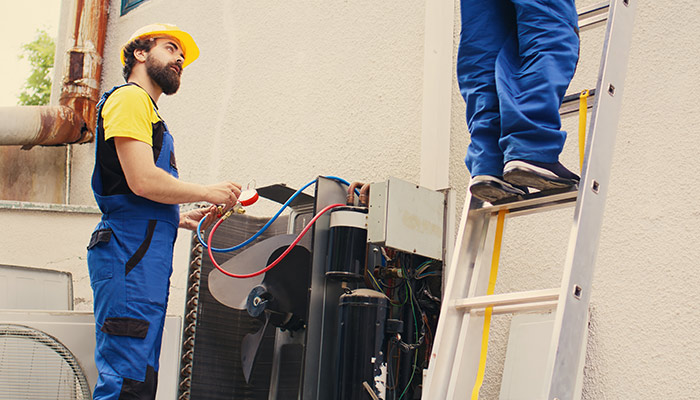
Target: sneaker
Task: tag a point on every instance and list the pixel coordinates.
(539, 175)
(492, 188)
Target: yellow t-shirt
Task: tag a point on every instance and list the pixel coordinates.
(129, 112)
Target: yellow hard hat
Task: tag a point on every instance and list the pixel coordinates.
(189, 47)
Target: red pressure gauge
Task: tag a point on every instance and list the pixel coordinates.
(248, 197)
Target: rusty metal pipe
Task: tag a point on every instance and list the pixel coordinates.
(73, 120)
(83, 71)
(45, 125)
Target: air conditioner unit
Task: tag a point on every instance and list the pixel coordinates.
(346, 315)
(50, 355)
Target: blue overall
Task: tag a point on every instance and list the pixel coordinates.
(515, 61)
(130, 263)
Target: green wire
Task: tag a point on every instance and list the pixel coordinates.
(415, 359)
(415, 362)
(405, 299)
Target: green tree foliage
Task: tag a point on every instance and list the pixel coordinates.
(40, 53)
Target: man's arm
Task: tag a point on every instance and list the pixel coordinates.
(147, 180)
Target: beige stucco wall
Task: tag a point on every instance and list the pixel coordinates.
(284, 92)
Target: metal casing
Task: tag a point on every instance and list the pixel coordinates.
(362, 316)
(406, 217)
(28, 288)
(347, 244)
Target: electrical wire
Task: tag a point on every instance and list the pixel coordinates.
(428, 274)
(272, 264)
(396, 303)
(374, 281)
(422, 270)
(379, 288)
(424, 266)
(389, 371)
(413, 296)
(422, 330)
(413, 372)
(267, 225)
(390, 287)
(415, 358)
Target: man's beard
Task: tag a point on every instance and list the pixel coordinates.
(163, 75)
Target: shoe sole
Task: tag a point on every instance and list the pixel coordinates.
(538, 178)
(486, 192)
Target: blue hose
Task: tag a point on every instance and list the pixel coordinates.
(267, 225)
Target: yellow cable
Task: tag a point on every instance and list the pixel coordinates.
(487, 313)
(582, 114)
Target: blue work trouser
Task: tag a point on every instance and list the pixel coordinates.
(130, 264)
(516, 59)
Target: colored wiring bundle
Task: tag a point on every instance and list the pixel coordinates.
(211, 249)
(403, 285)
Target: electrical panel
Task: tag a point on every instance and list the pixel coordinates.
(406, 217)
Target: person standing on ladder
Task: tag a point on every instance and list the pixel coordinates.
(136, 187)
(516, 59)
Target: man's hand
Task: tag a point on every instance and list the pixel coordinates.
(190, 219)
(225, 193)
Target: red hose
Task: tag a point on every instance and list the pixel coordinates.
(272, 264)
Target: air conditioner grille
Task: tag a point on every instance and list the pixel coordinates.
(36, 366)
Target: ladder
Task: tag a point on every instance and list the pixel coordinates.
(456, 352)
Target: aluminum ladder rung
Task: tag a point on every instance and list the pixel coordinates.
(516, 301)
(570, 103)
(592, 15)
(540, 306)
(535, 202)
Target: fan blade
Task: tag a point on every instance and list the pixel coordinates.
(233, 292)
(249, 349)
(288, 286)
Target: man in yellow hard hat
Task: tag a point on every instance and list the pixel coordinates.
(136, 187)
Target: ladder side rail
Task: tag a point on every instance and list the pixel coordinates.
(456, 284)
(468, 350)
(465, 368)
(572, 315)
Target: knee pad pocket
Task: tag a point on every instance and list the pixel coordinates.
(125, 326)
